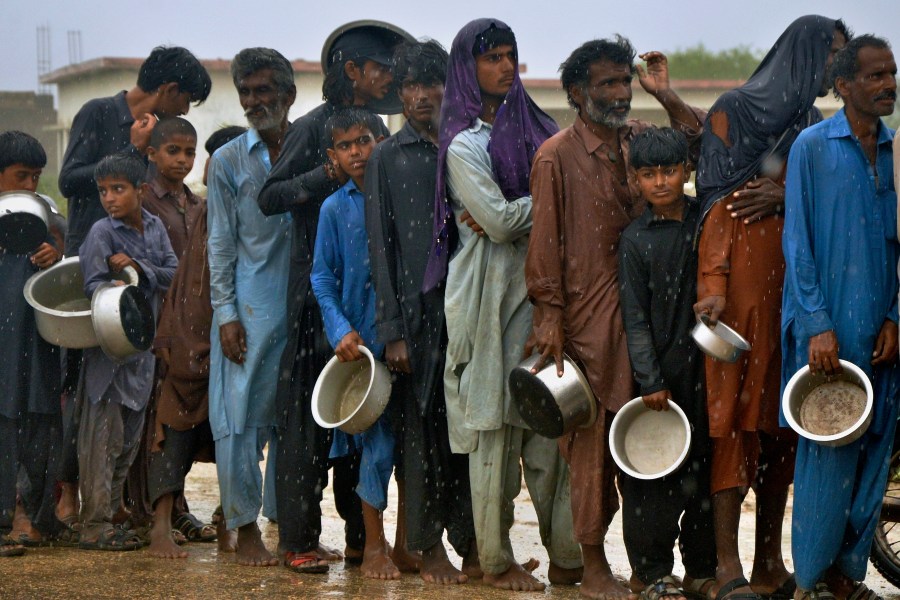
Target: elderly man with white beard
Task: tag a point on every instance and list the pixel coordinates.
(249, 254)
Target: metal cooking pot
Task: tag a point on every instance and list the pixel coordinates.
(720, 342)
(804, 381)
(24, 219)
(351, 395)
(61, 310)
(552, 405)
(122, 318)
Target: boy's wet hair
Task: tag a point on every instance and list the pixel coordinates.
(420, 62)
(491, 38)
(251, 60)
(575, 70)
(175, 65)
(121, 166)
(658, 147)
(222, 136)
(346, 118)
(19, 148)
(168, 127)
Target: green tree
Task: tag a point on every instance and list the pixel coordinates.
(698, 62)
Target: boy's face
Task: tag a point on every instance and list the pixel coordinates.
(496, 70)
(370, 82)
(351, 149)
(171, 101)
(120, 199)
(174, 159)
(422, 102)
(19, 177)
(662, 186)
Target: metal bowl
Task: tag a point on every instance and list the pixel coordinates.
(24, 218)
(122, 319)
(804, 381)
(649, 444)
(720, 342)
(351, 395)
(551, 405)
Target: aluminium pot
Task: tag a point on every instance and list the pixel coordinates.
(24, 221)
(62, 313)
(720, 342)
(551, 405)
(122, 318)
(351, 395)
(649, 444)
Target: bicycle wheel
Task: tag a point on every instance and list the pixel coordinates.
(886, 548)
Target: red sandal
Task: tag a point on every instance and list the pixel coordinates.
(305, 562)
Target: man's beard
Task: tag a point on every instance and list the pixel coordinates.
(601, 113)
(271, 117)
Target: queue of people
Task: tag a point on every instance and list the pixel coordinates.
(476, 235)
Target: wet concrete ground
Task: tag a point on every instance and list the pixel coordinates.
(72, 573)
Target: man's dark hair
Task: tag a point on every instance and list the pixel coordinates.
(347, 117)
(121, 166)
(493, 38)
(168, 127)
(251, 60)
(842, 27)
(19, 148)
(575, 71)
(222, 136)
(420, 62)
(846, 61)
(659, 147)
(337, 89)
(175, 65)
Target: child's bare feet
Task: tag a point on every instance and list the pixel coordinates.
(437, 568)
(516, 578)
(251, 552)
(406, 561)
(560, 576)
(162, 544)
(377, 563)
(604, 586)
(329, 554)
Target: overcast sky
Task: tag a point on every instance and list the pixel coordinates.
(547, 30)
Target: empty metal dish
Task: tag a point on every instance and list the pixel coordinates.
(351, 395)
(720, 342)
(649, 444)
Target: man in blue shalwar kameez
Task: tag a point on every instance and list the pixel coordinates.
(840, 301)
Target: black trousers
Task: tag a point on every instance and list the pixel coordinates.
(168, 468)
(302, 463)
(438, 495)
(651, 510)
(30, 443)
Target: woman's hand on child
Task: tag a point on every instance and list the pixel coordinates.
(347, 349)
(658, 400)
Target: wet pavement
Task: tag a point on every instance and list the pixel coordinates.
(71, 573)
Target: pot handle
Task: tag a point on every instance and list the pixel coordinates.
(133, 277)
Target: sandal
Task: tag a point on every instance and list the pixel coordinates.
(661, 588)
(821, 592)
(194, 529)
(113, 539)
(699, 588)
(305, 563)
(785, 591)
(9, 547)
(728, 591)
(862, 592)
(69, 536)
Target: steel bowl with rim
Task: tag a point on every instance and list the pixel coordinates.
(804, 381)
(351, 395)
(720, 342)
(24, 219)
(649, 444)
(549, 404)
(122, 319)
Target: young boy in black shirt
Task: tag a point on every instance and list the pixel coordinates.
(658, 279)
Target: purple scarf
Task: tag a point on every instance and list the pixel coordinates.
(519, 128)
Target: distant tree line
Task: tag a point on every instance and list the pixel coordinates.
(698, 62)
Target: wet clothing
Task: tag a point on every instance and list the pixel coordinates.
(658, 279)
(173, 461)
(179, 221)
(519, 128)
(248, 257)
(841, 249)
(400, 180)
(102, 127)
(299, 184)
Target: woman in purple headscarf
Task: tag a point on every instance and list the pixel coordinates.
(490, 130)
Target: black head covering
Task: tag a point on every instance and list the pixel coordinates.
(766, 114)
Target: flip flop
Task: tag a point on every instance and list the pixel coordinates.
(194, 529)
(304, 563)
(9, 547)
(785, 591)
(113, 540)
(727, 591)
(69, 536)
(862, 592)
(699, 588)
(821, 592)
(663, 587)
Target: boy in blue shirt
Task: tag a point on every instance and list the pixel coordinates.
(342, 283)
(115, 394)
(658, 279)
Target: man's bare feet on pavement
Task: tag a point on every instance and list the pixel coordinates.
(517, 578)
(162, 545)
(604, 586)
(227, 539)
(377, 563)
(471, 566)
(437, 568)
(329, 554)
(406, 561)
(251, 552)
(560, 576)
